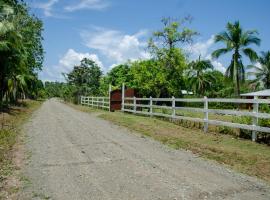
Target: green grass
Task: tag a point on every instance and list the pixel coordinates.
(241, 155)
(11, 122)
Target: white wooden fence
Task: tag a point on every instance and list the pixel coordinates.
(131, 105)
(155, 106)
(98, 102)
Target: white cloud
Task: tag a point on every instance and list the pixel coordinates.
(203, 49)
(72, 58)
(66, 64)
(218, 66)
(116, 46)
(47, 7)
(87, 4)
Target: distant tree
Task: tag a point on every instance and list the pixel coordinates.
(198, 80)
(262, 72)
(237, 41)
(85, 77)
(164, 48)
(163, 44)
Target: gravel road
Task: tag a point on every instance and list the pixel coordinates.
(76, 155)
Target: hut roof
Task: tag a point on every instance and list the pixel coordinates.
(262, 93)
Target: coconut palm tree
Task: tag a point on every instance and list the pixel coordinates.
(237, 41)
(197, 77)
(262, 71)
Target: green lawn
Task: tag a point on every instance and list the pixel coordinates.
(239, 154)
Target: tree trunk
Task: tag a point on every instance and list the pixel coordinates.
(236, 75)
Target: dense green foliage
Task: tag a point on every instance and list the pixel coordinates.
(21, 52)
(84, 79)
(199, 79)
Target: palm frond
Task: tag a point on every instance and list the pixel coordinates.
(251, 54)
(217, 53)
(230, 71)
(254, 67)
(249, 38)
(223, 37)
(241, 71)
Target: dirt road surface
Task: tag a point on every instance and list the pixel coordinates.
(76, 155)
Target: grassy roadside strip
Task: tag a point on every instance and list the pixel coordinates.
(12, 121)
(241, 155)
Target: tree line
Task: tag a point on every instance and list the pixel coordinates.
(168, 72)
(21, 52)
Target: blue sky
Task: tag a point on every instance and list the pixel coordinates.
(113, 31)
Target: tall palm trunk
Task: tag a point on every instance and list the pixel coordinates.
(236, 74)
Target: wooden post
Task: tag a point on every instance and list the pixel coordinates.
(110, 90)
(103, 103)
(123, 97)
(134, 104)
(173, 108)
(205, 127)
(92, 102)
(151, 106)
(255, 119)
(81, 100)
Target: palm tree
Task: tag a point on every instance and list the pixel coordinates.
(262, 72)
(237, 42)
(197, 77)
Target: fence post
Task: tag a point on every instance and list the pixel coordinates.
(134, 104)
(103, 103)
(123, 97)
(81, 100)
(205, 127)
(173, 108)
(255, 119)
(110, 90)
(92, 102)
(151, 106)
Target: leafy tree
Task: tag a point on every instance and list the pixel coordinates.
(85, 77)
(148, 78)
(237, 41)
(164, 42)
(118, 75)
(104, 83)
(221, 86)
(198, 79)
(61, 90)
(164, 48)
(21, 52)
(262, 72)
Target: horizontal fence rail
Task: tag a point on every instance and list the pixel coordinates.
(98, 102)
(157, 107)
